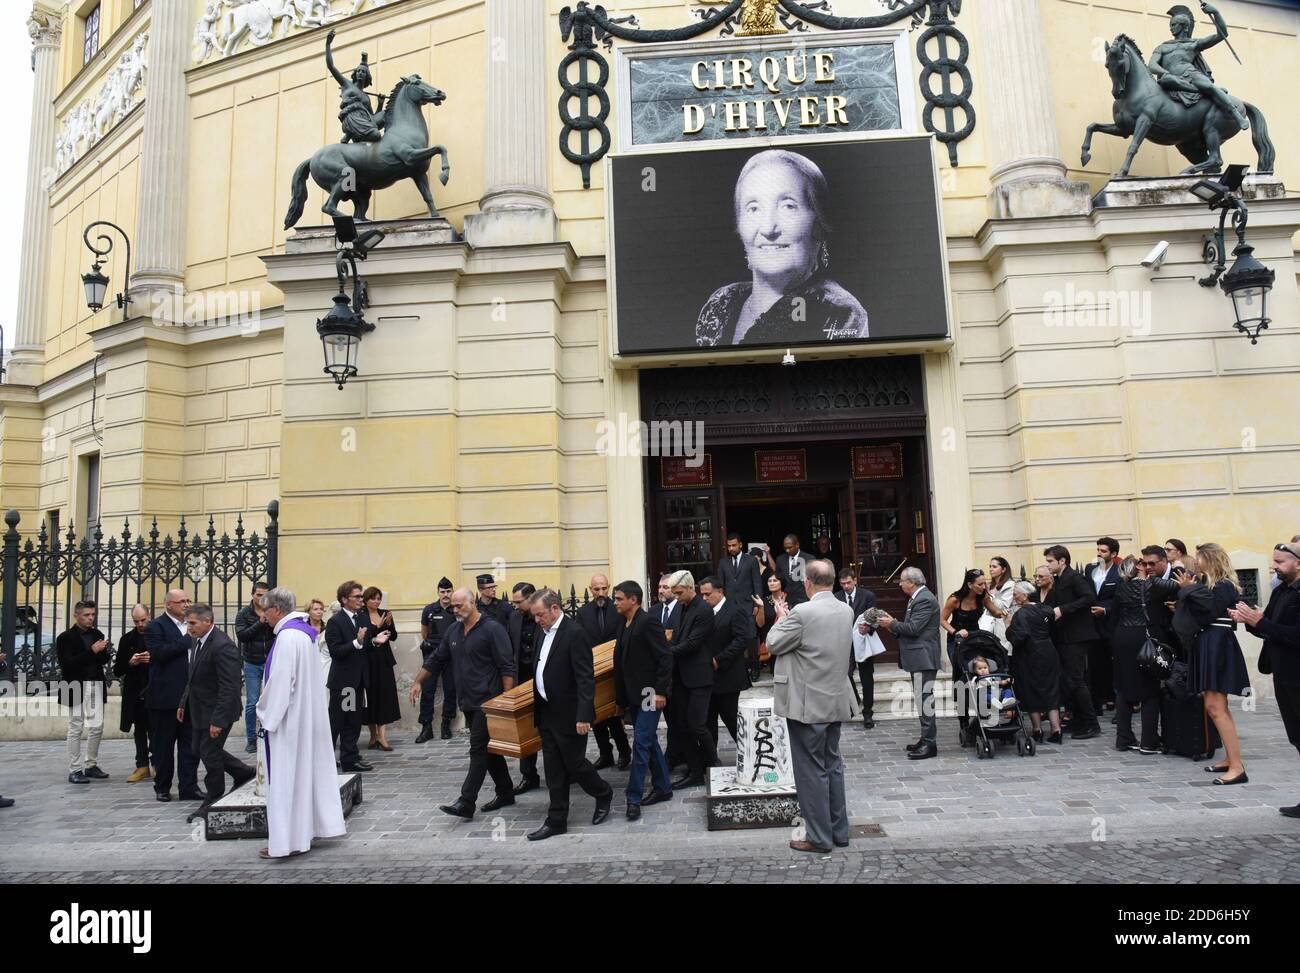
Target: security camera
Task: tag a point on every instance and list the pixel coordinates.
(1156, 257)
(787, 358)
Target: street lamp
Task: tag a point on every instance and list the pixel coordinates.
(95, 282)
(342, 327)
(1248, 282)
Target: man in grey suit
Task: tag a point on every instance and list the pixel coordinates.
(918, 653)
(811, 642)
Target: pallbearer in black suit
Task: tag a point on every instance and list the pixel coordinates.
(168, 645)
(734, 634)
(211, 700)
(643, 672)
(740, 574)
(601, 621)
(345, 637)
(860, 599)
(1103, 575)
(667, 612)
(691, 647)
(488, 603)
(564, 707)
(522, 630)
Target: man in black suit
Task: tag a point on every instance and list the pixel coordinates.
(734, 633)
(601, 622)
(1103, 575)
(739, 572)
(643, 673)
(345, 639)
(564, 707)
(522, 630)
(1159, 617)
(1072, 599)
(131, 667)
(168, 643)
(792, 566)
(667, 612)
(691, 647)
(860, 599)
(211, 701)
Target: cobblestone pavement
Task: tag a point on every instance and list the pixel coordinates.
(1075, 813)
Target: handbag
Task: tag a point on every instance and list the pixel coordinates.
(1154, 657)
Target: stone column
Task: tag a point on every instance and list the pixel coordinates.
(1028, 177)
(160, 220)
(45, 25)
(516, 207)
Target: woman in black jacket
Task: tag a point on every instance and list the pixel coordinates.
(1132, 684)
(381, 689)
(1035, 663)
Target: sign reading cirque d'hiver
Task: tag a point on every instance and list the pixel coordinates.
(772, 192)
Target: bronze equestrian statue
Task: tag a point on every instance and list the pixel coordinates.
(1174, 101)
(373, 159)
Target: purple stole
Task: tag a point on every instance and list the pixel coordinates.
(297, 625)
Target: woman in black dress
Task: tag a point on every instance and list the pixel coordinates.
(960, 616)
(381, 690)
(1035, 663)
(765, 613)
(1132, 684)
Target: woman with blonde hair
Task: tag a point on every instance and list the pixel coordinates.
(1216, 666)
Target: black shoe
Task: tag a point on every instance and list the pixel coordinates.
(9, 802)
(634, 812)
(193, 796)
(359, 767)
(528, 784)
(868, 724)
(446, 729)
(1241, 778)
(461, 809)
(162, 796)
(602, 808)
(497, 804)
(624, 761)
(77, 777)
(1088, 734)
(426, 733)
(606, 760)
(94, 773)
(688, 780)
(1038, 736)
(241, 781)
(546, 831)
(925, 753)
(655, 797)
(1055, 737)
(841, 844)
(913, 747)
(250, 748)
(1290, 812)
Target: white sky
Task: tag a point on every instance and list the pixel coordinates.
(16, 83)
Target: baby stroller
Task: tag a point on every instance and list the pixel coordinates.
(979, 698)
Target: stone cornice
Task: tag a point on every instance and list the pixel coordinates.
(45, 25)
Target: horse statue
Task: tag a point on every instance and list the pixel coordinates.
(1146, 111)
(352, 171)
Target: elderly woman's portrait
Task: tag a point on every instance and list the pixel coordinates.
(781, 207)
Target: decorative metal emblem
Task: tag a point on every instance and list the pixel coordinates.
(588, 24)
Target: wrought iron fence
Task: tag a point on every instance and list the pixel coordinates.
(43, 577)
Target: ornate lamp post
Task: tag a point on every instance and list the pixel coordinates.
(95, 282)
(342, 327)
(1248, 282)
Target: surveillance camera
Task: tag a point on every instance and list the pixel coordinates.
(787, 358)
(1156, 257)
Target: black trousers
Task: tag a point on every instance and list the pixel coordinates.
(140, 729)
(1101, 672)
(172, 745)
(610, 734)
(345, 723)
(528, 767)
(564, 757)
(723, 705)
(217, 762)
(675, 753)
(482, 763)
(1288, 701)
(429, 696)
(1150, 722)
(867, 676)
(692, 714)
(1074, 684)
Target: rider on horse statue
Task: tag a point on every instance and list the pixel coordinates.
(1180, 68)
(360, 122)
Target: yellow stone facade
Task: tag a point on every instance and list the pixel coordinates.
(468, 442)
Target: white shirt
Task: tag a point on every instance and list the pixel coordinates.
(718, 607)
(353, 617)
(542, 655)
(1099, 572)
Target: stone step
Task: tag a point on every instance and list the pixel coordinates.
(892, 696)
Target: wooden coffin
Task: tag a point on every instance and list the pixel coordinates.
(510, 715)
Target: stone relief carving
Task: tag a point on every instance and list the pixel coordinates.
(94, 117)
(228, 26)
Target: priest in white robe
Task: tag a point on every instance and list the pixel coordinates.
(302, 800)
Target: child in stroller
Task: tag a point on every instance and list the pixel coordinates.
(990, 693)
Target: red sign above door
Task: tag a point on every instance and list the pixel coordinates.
(878, 462)
(674, 472)
(780, 465)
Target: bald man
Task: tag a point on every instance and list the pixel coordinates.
(601, 621)
(131, 667)
(169, 646)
